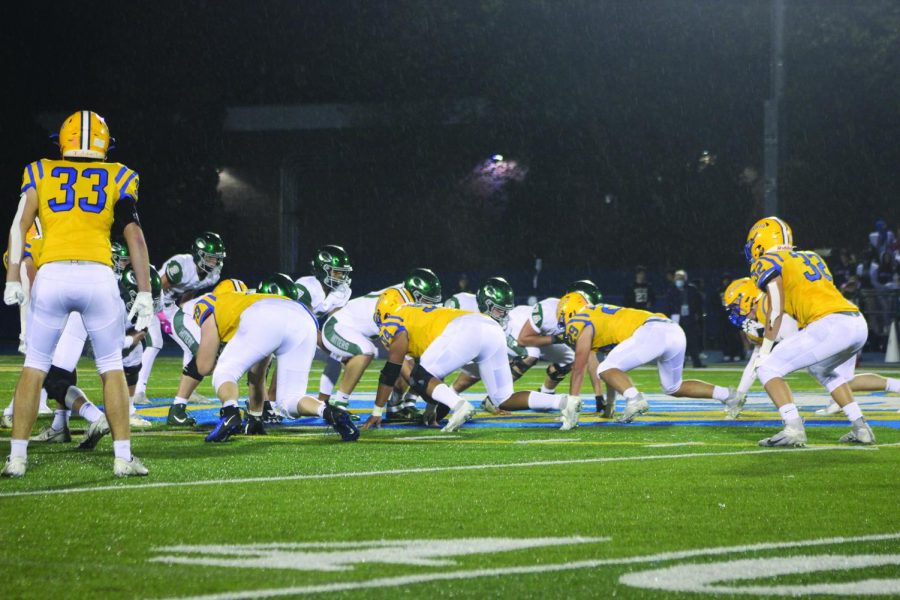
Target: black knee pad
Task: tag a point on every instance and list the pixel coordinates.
(558, 371)
(57, 383)
(518, 366)
(131, 374)
(418, 380)
(190, 370)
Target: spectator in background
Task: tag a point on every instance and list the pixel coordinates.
(685, 307)
(640, 294)
(463, 285)
(729, 336)
(842, 267)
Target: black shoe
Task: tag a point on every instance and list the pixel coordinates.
(342, 423)
(405, 415)
(178, 416)
(253, 425)
(228, 425)
(269, 415)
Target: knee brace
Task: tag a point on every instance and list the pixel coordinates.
(418, 381)
(518, 366)
(558, 371)
(132, 374)
(190, 370)
(57, 383)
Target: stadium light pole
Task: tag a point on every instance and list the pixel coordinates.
(772, 138)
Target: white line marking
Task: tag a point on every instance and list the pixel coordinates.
(548, 441)
(413, 470)
(674, 445)
(426, 437)
(505, 571)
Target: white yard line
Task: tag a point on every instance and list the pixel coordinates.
(548, 441)
(417, 470)
(415, 438)
(384, 582)
(673, 445)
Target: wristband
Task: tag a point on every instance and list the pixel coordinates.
(377, 410)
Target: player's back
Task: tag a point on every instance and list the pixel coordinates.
(612, 325)
(809, 290)
(422, 322)
(75, 206)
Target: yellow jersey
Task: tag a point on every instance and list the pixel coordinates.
(33, 242)
(228, 309)
(612, 324)
(809, 291)
(423, 323)
(75, 206)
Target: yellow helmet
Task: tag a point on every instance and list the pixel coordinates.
(229, 285)
(568, 305)
(766, 234)
(84, 135)
(738, 299)
(390, 300)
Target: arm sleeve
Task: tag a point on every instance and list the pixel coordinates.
(749, 375)
(125, 213)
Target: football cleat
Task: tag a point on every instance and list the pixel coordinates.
(464, 411)
(633, 408)
(138, 422)
(734, 404)
(52, 436)
(404, 415)
(270, 416)
(228, 425)
(253, 426)
(570, 413)
(6, 421)
(609, 408)
(198, 398)
(14, 467)
(861, 433)
(178, 416)
(93, 433)
(139, 398)
(792, 436)
(43, 409)
(128, 468)
(487, 405)
(831, 409)
(340, 420)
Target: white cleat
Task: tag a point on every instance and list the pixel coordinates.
(43, 409)
(198, 398)
(464, 411)
(570, 413)
(861, 433)
(140, 398)
(14, 467)
(49, 435)
(138, 422)
(831, 409)
(792, 436)
(633, 408)
(93, 433)
(734, 404)
(487, 405)
(6, 421)
(128, 468)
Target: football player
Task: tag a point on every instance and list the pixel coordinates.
(121, 259)
(253, 327)
(183, 276)
(79, 199)
(632, 338)
(744, 302)
(832, 330)
(350, 334)
(445, 339)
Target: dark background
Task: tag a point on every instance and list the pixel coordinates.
(607, 104)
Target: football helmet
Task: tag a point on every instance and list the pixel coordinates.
(229, 285)
(84, 134)
(588, 289)
(767, 234)
(331, 266)
(495, 299)
(390, 300)
(209, 252)
(121, 259)
(569, 304)
(424, 286)
(738, 299)
(128, 288)
(280, 285)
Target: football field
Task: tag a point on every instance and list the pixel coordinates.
(679, 504)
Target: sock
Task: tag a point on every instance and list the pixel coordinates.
(147, 358)
(180, 400)
(320, 411)
(444, 394)
(43, 403)
(255, 413)
(7, 412)
(630, 393)
(326, 384)
(131, 409)
(546, 390)
(341, 399)
(790, 415)
(853, 411)
(720, 393)
(229, 403)
(545, 401)
(893, 385)
(89, 412)
(122, 449)
(60, 419)
(18, 448)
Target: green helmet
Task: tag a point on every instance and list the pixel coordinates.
(329, 261)
(424, 286)
(120, 258)
(209, 252)
(279, 284)
(495, 298)
(128, 288)
(588, 289)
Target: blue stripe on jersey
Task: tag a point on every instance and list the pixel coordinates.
(40, 166)
(121, 173)
(31, 177)
(773, 258)
(127, 181)
(763, 280)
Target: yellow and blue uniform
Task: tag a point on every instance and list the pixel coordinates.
(612, 324)
(809, 291)
(33, 243)
(75, 206)
(228, 309)
(423, 323)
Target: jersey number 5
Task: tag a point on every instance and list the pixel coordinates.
(86, 204)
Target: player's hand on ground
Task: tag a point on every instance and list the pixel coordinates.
(372, 422)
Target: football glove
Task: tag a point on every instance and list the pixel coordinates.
(143, 308)
(559, 338)
(14, 293)
(164, 323)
